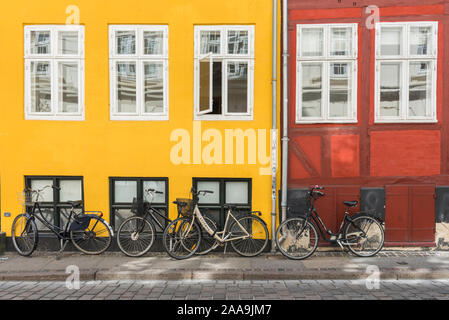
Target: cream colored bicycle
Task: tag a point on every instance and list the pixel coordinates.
(247, 233)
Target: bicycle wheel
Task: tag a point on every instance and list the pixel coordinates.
(94, 239)
(182, 238)
(252, 236)
(208, 243)
(297, 238)
(364, 236)
(135, 236)
(24, 235)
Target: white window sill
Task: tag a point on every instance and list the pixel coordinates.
(325, 121)
(222, 118)
(381, 121)
(55, 117)
(139, 118)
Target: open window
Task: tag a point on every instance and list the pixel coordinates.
(224, 72)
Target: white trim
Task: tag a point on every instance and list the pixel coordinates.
(54, 58)
(405, 59)
(139, 58)
(224, 57)
(325, 60)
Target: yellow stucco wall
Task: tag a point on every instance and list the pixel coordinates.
(98, 148)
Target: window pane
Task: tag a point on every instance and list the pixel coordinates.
(390, 88)
(340, 41)
(153, 42)
(420, 40)
(419, 88)
(121, 215)
(311, 89)
(40, 42)
(210, 42)
(204, 85)
(68, 87)
(209, 197)
(153, 87)
(71, 190)
(126, 87)
(237, 192)
(237, 87)
(47, 194)
(339, 89)
(64, 214)
(238, 42)
(40, 86)
(125, 191)
(48, 214)
(311, 42)
(126, 42)
(391, 41)
(156, 185)
(68, 42)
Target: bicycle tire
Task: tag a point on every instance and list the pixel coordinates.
(208, 243)
(181, 238)
(97, 233)
(256, 242)
(24, 245)
(135, 236)
(360, 224)
(292, 246)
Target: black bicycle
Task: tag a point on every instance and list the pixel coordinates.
(88, 232)
(136, 234)
(362, 233)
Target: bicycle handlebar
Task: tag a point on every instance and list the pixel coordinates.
(153, 190)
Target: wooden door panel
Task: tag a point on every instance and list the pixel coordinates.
(396, 214)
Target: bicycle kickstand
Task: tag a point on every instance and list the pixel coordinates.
(63, 245)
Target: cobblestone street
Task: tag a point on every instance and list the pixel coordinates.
(228, 290)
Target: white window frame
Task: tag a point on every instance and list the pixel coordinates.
(404, 59)
(326, 59)
(225, 58)
(139, 58)
(54, 58)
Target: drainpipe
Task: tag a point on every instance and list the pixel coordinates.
(274, 131)
(284, 109)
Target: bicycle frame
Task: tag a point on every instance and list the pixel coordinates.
(221, 236)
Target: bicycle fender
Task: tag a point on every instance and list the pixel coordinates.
(104, 221)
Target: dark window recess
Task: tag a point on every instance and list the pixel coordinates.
(122, 191)
(227, 191)
(442, 205)
(217, 88)
(373, 199)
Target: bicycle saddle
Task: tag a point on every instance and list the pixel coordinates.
(76, 204)
(351, 203)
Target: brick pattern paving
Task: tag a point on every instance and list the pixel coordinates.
(228, 290)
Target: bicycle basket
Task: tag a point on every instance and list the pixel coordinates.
(139, 207)
(187, 210)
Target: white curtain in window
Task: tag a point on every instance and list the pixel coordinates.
(237, 192)
(125, 191)
(211, 186)
(71, 190)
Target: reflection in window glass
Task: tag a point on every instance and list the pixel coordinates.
(126, 42)
(205, 85)
(312, 42)
(153, 87)
(71, 190)
(420, 40)
(340, 41)
(391, 41)
(40, 86)
(68, 42)
(339, 89)
(126, 87)
(209, 197)
(40, 42)
(390, 88)
(47, 194)
(153, 42)
(68, 87)
(156, 185)
(237, 87)
(210, 42)
(125, 191)
(419, 88)
(311, 89)
(237, 192)
(238, 42)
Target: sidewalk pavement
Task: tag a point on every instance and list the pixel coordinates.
(44, 266)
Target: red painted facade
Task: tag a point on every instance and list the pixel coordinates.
(408, 160)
